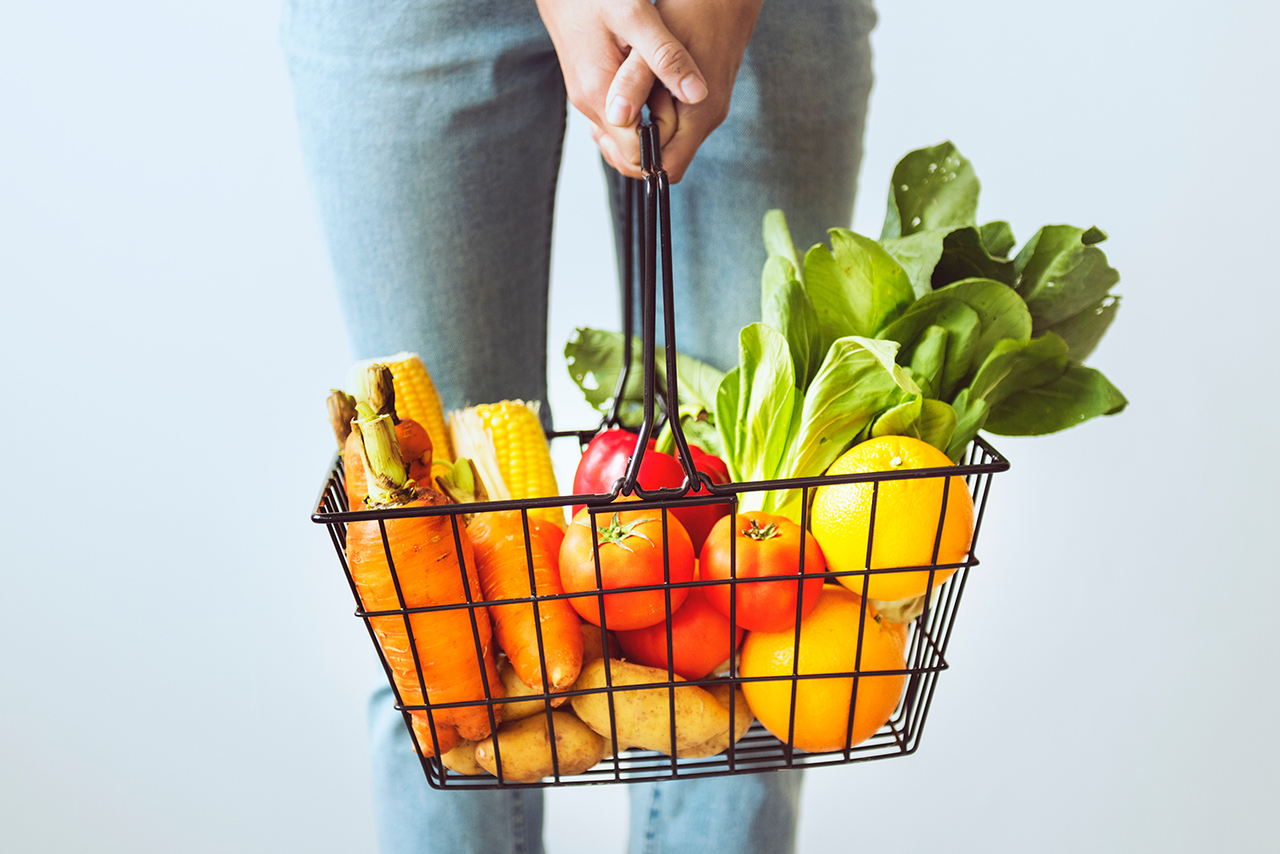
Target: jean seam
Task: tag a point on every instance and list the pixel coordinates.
(651, 827)
(517, 823)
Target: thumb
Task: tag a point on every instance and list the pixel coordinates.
(643, 29)
(629, 90)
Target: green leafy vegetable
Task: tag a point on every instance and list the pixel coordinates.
(970, 417)
(787, 308)
(918, 254)
(594, 358)
(1015, 366)
(1079, 394)
(932, 188)
(856, 287)
(930, 421)
(998, 238)
(853, 386)
(965, 256)
(767, 399)
(777, 240)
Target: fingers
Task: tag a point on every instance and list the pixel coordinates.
(662, 112)
(629, 90)
(611, 151)
(640, 26)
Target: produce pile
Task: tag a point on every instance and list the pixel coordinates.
(871, 356)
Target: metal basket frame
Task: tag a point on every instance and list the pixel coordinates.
(758, 750)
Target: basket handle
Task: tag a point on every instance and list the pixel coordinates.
(647, 222)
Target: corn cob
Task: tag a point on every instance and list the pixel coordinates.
(416, 398)
(506, 442)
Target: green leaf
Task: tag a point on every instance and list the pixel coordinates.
(727, 402)
(1083, 331)
(965, 256)
(917, 254)
(1078, 395)
(963, 328)
(997, 237)
(938, 422)
(594, 360)
(927, 358)
(1001, 312)
(856, 287)
(931, 188)
(886, 353)
(777, 240)
(788, 309)
(697, 383)
(1014, 366)
(931, 421)
(766, 399)
(1062, 272)
(851, 388)
(970, 417)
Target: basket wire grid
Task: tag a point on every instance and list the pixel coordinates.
(757, 750)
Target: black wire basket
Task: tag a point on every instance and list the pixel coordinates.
(927, 633)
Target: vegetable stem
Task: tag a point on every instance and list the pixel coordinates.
(385, 472)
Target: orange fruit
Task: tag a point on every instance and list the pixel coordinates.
(828, 644)
(906, 519)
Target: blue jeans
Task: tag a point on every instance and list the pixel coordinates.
(431, 131)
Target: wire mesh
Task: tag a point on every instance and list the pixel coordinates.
(430, 719)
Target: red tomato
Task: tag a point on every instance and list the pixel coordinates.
(766, 545)
(605, 460)
(699, 639)
(631, 555)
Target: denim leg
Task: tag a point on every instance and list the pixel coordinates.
(745, 814)
(431, 132)
(413, 818)
(793, 140)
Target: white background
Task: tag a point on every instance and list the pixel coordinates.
(180, 670)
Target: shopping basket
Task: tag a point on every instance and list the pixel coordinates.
(648, 221)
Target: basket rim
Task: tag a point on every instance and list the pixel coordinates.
(603, 502)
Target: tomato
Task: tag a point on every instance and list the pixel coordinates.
(631, 555)
(765, 545)
(605, 460)
(699, 639)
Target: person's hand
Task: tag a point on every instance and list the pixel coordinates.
(594, 39)
(716, 33)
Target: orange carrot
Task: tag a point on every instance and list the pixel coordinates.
(503, 565)
(412, 439)
(426, 560)
(415, 443)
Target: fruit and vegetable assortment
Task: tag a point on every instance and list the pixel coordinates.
(872, 356)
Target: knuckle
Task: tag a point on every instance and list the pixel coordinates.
(669, 59)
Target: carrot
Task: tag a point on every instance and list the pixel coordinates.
(426, 561)
(408, 433)
(377, 387)
(503, 566)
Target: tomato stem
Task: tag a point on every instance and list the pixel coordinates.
(616, 532)
(755, 532)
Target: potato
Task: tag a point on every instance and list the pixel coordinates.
(742, 717)
(516, 688)
(526, 748)
(462, 759)
(643, 716)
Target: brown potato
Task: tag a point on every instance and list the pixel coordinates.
(462, 759)
(516, 688)
(643, 716)
(742, 718)
(526, 748)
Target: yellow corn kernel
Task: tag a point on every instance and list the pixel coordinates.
(520, 449)
(417, 399)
